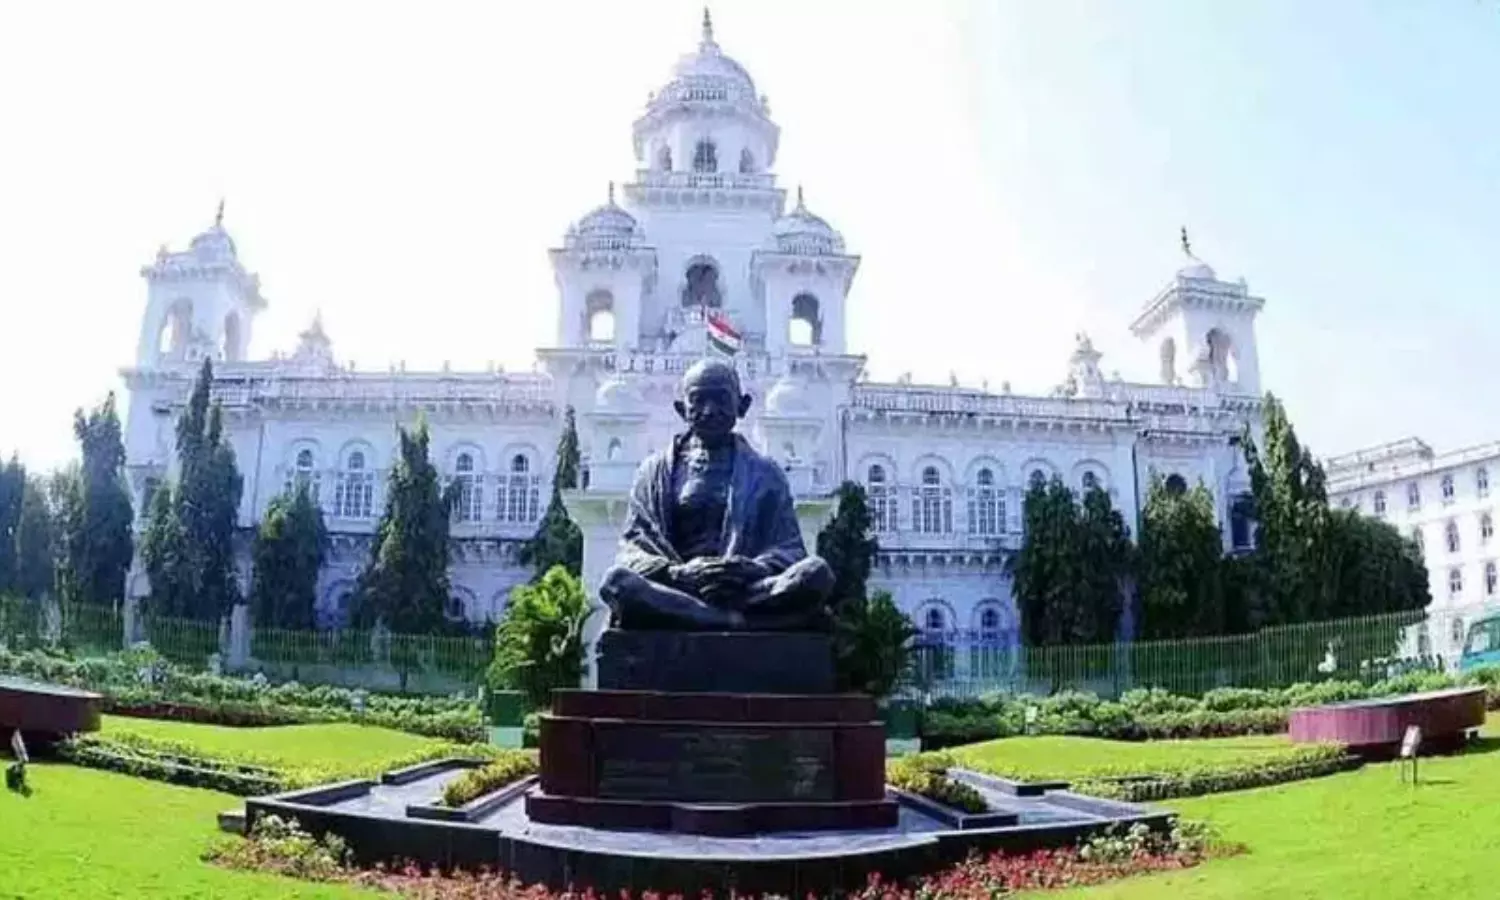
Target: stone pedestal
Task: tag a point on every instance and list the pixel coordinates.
(690, 735)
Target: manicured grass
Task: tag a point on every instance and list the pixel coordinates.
(88, 834)
(1360, 834)
(334, 745)
(1077, 758)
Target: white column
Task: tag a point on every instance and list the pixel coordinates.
(600, 515)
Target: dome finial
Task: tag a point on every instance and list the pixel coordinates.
(708, 27)
(611, 193)
(219, 216)
(1187, 246)
(800, 204)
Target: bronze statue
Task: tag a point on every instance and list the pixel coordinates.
(712, 541)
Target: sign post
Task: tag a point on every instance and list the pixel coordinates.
(1411, 743)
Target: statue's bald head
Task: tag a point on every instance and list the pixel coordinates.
(710, 399)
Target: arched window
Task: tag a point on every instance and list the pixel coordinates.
(467, 497)
(1037, 479)
(989, 622)
(1176, 485)
(599, 317)
(664, 159)
(1222, 357)
(1168, 361)
(176, 329)
(882, 505)
(1486, 528)
(806, 326)
(1413, 496)
(613, 451)
(702, 286)
(520, 493)
(1482, 481)
(935, 620)
(986, 506)
(304, 474)
(1380, 503)
(1491, 579)
(454, 609)
(1450, 534)
(1241, 522)
(705, 157)
(747, 161)
(1090, 481)
(1416, 537)
(932, 509)
(354, 494)
(230, 349)
(1455, 581)
(1447, 488)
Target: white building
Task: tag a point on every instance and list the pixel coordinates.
(703, 230)
(1443, 502)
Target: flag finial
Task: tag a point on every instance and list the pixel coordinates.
(611, 193)
(799, 197)
(1187, 246)
(708, 27)
(219, 216)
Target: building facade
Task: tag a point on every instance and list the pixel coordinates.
(703, 252)
(1443, 502)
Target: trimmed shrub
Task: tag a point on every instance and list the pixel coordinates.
(927, 776)
(475, 783)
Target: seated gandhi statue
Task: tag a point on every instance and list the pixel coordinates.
(711, 541)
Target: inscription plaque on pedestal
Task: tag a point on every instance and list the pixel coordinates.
(723, 765)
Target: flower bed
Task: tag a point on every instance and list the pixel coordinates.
(475, 783)
(284, 848)
(926, 775)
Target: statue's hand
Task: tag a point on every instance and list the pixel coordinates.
(693, 575)
(743, 569)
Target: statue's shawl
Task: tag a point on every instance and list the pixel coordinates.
(760, 521)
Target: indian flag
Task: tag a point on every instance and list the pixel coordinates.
(722, 334)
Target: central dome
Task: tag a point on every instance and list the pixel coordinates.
(708, 74)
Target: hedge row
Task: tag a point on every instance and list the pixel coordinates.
(242, 774)
(926, 775)
(141, 683)
(1154, 714)
(1168, 786)
(507, 768)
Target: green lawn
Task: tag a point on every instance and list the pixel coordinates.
(1076, 758)
(87, 834)
(1361, 834)
(333, 745)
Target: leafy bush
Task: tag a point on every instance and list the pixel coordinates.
(1237, 777)
(927, 775)
(281, 846)
(539, 643)
(475, 783)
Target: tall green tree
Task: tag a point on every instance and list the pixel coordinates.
(65, 495)
(405, 583)
(1107, 560)
(100, 554)
(12, 494)
(1046, 568)
(289, 550)
(35, 542)
(539, 642)
(1372, 568)
(1182, 566)
(871, 637)
(189, 542)
(558, 541)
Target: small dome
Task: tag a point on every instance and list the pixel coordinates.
(787, 397)
(1197, 269)
(606, 226)
(616, 395)
(214, 245)
(802, 232)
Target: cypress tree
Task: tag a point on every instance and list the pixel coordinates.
(557, 541)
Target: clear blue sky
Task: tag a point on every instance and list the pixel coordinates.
(1012, 172)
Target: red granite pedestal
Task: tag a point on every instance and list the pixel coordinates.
(713, 762)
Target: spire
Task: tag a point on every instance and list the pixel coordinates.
(219, 216)
(800, 204)
(708, 28)
(1187, 246)
(611, 193)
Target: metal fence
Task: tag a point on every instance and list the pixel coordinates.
(971, 664)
